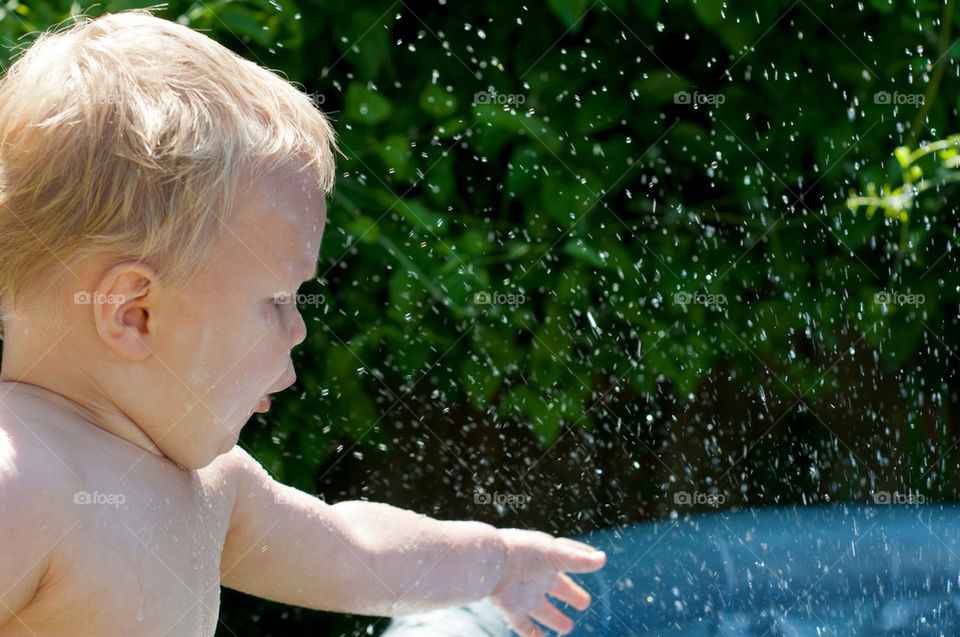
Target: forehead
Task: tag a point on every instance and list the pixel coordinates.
(280, 221)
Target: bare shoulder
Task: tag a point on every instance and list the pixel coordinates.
(33, 462)
(253, 493)
(233, 467)
(235, 474)
(35, 490)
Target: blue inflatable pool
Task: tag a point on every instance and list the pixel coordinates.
(883, 570)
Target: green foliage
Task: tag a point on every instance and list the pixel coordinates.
(897, 202)
(549, 212)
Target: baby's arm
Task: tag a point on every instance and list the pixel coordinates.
(365, 558)
(370, 558)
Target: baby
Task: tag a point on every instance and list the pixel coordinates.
(160, 198)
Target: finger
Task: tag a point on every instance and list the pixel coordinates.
(576, 560)
(575, 545)
(566, 590)
(548, 615)
(524, 627)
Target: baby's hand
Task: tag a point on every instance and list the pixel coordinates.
(535, 565)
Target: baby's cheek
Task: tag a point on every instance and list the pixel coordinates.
(202, 350)
(271, 314)
(269, 333)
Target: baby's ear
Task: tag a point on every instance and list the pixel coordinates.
(121, 309)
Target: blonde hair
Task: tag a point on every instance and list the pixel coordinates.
(132, 135)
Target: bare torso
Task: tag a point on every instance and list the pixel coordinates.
(139, 547)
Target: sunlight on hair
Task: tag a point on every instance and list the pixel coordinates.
(132, 135)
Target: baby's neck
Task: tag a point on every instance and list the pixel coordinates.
(111, 421)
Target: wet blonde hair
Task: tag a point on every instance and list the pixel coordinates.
(132, 135)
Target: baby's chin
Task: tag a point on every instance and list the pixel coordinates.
(227, 443)
(200, 443)
(197, 457)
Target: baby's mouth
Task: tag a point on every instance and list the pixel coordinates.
(264, 405)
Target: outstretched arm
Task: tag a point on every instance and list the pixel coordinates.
(356, 557)
(375, 559)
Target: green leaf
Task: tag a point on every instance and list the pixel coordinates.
(709, 12)
(496, 116)
(578, 249)
(659, 87)
(882, 6)
(365, 105)
(567, 198)
(570, 12)
(649, 8)
(364, 229)
(546, 425)
(408, 295)
(480, 380)
(396, 154)
(439, 179)
(364, 41)
(599, 113)
(523, 169)
(246, 22)
(437, 102)
(419, 216)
